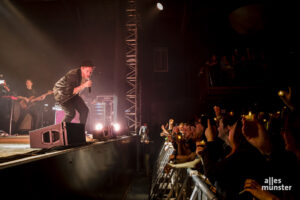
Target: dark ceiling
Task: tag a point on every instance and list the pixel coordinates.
(42, 39)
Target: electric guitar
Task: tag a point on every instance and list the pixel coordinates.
(26, 103)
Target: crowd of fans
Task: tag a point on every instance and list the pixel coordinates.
(241, 155)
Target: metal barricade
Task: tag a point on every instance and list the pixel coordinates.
(201, 188)
(160, 179)
(179, 184)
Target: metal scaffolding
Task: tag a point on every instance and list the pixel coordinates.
(132, 111)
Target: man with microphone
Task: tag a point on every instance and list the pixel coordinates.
(66, 91)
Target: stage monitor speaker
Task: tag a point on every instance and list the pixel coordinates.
(63, 134)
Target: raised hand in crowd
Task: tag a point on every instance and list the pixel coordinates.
(199, 130)
(223, 132)
(170, 124)
(210, 132)
(256, 190)
(164, 131)
(231, 139)
(256, 134)
(286, 98)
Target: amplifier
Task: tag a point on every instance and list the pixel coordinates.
(62, 134)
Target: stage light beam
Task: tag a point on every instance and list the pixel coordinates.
(117, 127)
(98, 127)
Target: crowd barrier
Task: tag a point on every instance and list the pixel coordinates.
(179, 184)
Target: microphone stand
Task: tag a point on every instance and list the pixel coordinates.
(11, 116)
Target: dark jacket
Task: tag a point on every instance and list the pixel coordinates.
(229, 174)
(63, 88)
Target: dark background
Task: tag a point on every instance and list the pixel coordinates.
(43, 39)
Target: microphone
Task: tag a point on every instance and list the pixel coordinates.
(90, 89)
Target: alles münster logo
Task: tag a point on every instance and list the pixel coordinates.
(275, 184)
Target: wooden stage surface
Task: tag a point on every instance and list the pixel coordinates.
(19, 145)
(13, 145)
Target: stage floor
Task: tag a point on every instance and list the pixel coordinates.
(13, 149)
(12, 145)
(17, 147)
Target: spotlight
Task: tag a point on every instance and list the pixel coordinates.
(159, 6)
(117, 127)
(98, 127)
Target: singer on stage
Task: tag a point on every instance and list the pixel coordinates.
(66, 91)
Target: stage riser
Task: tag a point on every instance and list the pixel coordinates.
(97, 171)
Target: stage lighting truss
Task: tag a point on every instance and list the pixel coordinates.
(132, 111)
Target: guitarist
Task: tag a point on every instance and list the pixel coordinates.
(66, 91)
(26, 96)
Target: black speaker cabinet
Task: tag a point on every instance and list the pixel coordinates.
(63, 134)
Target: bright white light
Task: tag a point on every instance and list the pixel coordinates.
(116, 126)
(159, 6)
(98, 127)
